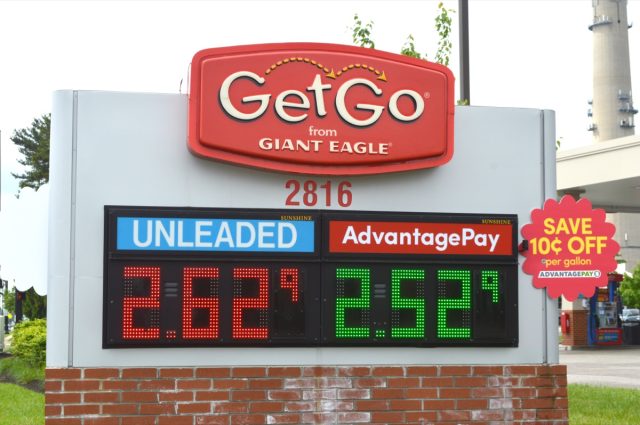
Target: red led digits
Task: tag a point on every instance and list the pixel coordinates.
(243, 278)
(207, 276)
(289, 280)
(132, 303)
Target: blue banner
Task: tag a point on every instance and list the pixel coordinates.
(219, 234)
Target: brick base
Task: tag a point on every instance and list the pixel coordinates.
(516, 394)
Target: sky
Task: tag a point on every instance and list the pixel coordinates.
(523, 53)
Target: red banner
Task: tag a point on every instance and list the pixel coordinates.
(388, 237)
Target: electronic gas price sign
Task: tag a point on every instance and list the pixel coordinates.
(187, 277)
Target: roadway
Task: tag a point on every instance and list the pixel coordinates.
(604, 366)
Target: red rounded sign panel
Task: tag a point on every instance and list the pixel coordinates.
(320, 109)
(571, 248)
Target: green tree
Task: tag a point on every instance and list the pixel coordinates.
(443, 26)
(409, 48)
(33, 144)
(630, 289)
(361, 34)
(10, 300)
(34, 306)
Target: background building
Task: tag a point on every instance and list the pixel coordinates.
(607, 172)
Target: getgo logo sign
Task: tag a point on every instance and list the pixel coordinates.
(301, 101)
(320, 109)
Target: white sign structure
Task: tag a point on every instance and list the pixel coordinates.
(129, 149)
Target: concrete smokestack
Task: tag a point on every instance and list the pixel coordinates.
(613, 111)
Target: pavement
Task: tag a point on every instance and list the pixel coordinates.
(6, 343)
(616, 366)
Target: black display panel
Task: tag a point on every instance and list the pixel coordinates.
(228, 277)
(416, 304)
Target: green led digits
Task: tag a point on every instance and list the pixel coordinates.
(399, 303)
(445, 305)
(489, 280)
(346, 280)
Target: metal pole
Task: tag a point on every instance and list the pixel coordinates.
(19, 300)
(465, 89)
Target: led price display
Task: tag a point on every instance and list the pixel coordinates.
(222, 277)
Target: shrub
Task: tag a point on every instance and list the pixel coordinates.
(29, 341)
(21, 372)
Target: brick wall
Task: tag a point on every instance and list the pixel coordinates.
(577, 335)
(516, 394)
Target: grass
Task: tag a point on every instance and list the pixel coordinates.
(20, 406)
(590, 405)
(21, 372)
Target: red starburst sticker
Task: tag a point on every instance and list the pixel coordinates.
(571, 248)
